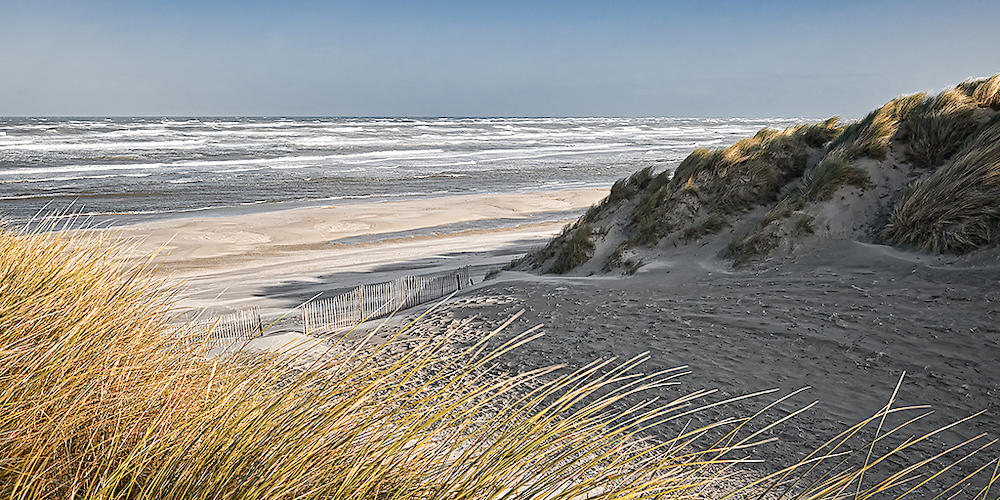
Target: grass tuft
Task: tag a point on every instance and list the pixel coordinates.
(830, 174)
(576, 249)
(984, 91)
(628, 187)
(806, 224)
(871, 136)
(725, 181)
(955, 209)
(937, 127)
(710, 225)
(819, 184)
(752, 245)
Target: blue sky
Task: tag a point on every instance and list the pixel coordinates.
(578, 58)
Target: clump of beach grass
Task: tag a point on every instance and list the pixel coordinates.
(622, 190)
(830, 174)
(937, 127)
(955, 209)
(871, 135)
(577, 247)
(572, 247)
(984, 91)
(818, 184)
(710, 225)
(626, 188)
(105, 397)
(754, 169)
(806, 224)
(617, 260)
(751, 245)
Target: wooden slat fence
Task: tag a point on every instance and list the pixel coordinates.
(240, 325)
(378, 300)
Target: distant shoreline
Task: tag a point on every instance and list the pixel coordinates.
(281, 206)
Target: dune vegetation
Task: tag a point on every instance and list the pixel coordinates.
(569, 249)
(703, 194)
(918, 172)
(927, 132)
(104, 396)
(956, 208)
(716, 184)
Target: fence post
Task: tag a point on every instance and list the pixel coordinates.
(305, 319)
(361, 308)
(260, 325)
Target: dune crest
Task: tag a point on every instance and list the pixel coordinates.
(920, 173)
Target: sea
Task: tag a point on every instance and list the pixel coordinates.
(125, 170)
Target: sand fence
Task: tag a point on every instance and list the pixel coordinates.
(378, 300)
(240, 325)
(366, 302)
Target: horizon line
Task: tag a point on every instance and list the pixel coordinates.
(411, 117)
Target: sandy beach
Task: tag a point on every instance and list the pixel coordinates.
(277, 260)
(843, 320)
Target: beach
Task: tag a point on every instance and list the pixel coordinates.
(830, 319)
(837, 322)
(277, 260)
(500, 250)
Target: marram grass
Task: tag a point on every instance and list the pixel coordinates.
(101, 396)
(955, 209)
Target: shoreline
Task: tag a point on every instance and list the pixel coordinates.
(119, 220)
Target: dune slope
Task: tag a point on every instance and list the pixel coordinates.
(921, 172)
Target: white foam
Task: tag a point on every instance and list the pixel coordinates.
(108, 146)
(81, 168)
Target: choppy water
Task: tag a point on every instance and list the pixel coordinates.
(140, 168)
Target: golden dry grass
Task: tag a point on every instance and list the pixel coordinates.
(956, 208)
(871, 135)
(937, 127)
(103, 397)
(985, 91)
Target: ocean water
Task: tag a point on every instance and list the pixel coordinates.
(132, 169)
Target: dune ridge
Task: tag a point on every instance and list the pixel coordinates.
(921, 172)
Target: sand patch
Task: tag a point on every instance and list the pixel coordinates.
(342, 227)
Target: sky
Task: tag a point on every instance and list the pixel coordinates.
(468, 58)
